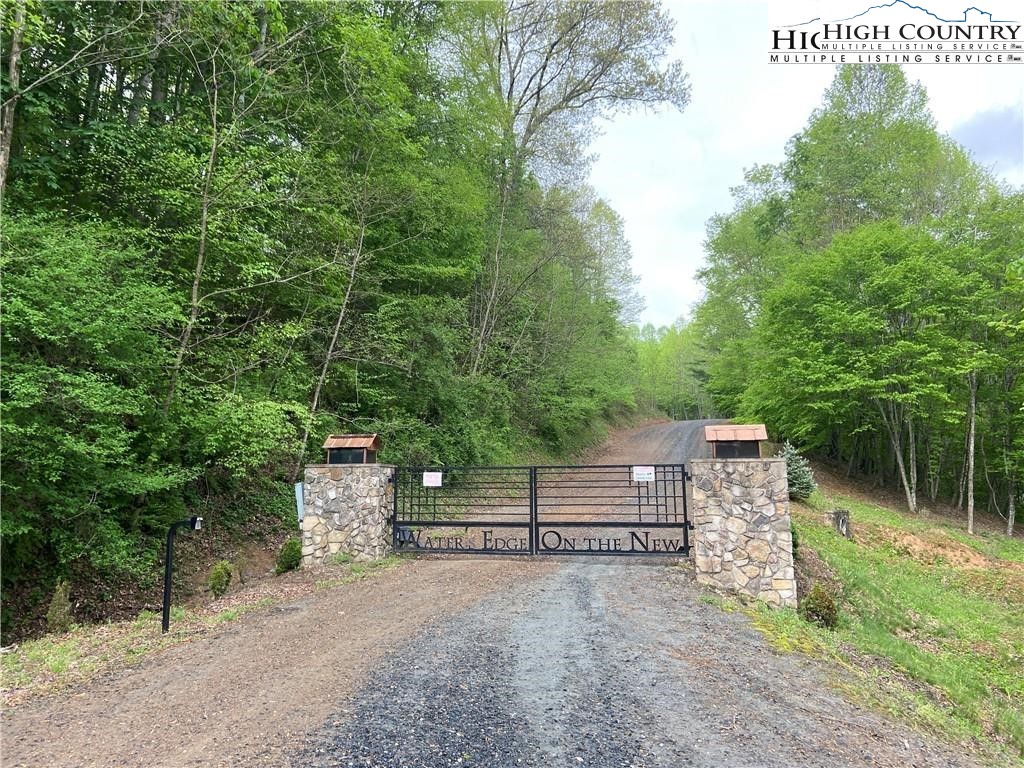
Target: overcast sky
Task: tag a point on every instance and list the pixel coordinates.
(666, 173)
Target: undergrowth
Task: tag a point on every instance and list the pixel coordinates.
(930, 625)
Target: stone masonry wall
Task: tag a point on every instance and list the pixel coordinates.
(742, 534)
(347, 509)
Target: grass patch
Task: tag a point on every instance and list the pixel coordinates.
(789, 633)
(357, 571)
(931, 624)
(55, 662)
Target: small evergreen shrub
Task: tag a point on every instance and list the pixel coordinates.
(58, 616)
(819, 607)
(220, 578)
(290, 556)
(796, 541)
(798, 473)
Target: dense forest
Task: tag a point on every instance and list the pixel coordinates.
(230, 228)
(865, 299)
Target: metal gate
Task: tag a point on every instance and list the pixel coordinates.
(545, 510)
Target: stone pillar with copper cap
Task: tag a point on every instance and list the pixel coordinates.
(347, 502)
(742, 530)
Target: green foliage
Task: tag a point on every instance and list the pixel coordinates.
(799, 475)
(218, 253)
(862, 289)
(58, 616)
(819, 607)
(290, 556)
(670, 371)
(931, 613)
(220, 578)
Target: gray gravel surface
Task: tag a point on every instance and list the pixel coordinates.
(606, 664)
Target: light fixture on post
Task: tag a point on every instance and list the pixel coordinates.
(193, 524)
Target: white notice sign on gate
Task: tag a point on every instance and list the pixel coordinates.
(431, 479)
(643, 474)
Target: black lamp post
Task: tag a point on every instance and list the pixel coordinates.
(193, 524)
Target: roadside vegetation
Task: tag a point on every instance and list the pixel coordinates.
(930, 620)
(865, 299)
(231, 228)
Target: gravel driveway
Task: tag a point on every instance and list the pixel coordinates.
(605, 664)
(488, 662)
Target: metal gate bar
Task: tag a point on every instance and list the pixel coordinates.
(478, 509)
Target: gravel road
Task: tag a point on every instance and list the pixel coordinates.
(247, 695)
(490, 662)
(611, 665)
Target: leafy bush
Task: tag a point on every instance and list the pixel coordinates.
(798, 473)
(796, 542)
(290, 556)
(220, 578)
(819, 607)
(58, 617)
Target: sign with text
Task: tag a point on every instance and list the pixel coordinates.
(643, 474)
(598, 509)
(898, 32)
(642, 540)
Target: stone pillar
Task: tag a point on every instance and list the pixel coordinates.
(347, 509)
(742, 534)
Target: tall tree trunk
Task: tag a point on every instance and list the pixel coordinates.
(162, 30)
(118, 98)
(139, 92)
(204, 226)
(159, 94)
(912, 444)
(92, 97)
(962, 485)
(893, 421)
(329, 353)
(972, 382)
(487, 321)
(13, 80)
(1011, 509)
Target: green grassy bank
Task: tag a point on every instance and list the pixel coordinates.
(931, 623)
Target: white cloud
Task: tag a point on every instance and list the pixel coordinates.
(667, 173)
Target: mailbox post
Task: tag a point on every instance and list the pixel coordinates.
(352, 449)
(193, 524)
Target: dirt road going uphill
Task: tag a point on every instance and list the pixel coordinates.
(494, 662)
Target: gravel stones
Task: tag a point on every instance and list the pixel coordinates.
(606, 666)
(528, 681)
